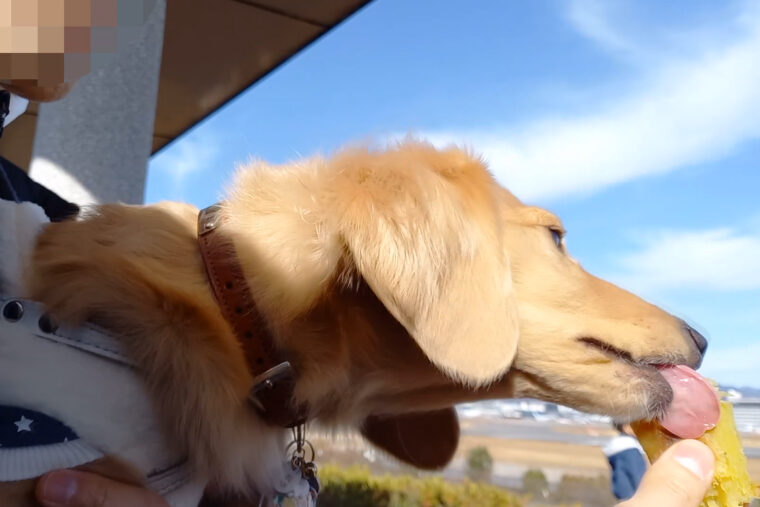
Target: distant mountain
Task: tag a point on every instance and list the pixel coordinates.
(750, 392)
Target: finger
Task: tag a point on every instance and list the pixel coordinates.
(680, 477)
(81, 489)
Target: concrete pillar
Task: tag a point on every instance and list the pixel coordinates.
(93, 146)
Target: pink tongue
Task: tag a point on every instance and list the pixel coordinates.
(695, 407)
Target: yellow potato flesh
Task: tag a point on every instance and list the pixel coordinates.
(731, 486)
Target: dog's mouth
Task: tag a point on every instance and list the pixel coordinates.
(685, 403)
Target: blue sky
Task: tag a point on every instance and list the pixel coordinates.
(638, 122)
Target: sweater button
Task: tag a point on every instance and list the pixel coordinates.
(13, 311)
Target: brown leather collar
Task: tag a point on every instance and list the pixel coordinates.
(274, 378)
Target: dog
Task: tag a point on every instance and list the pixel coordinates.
(397, 282)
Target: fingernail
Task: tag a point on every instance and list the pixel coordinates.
(695, 457)
(59, 487)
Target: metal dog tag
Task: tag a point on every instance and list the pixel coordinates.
(299, 485)
(296, 488)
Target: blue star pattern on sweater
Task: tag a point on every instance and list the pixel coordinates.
(27, 428)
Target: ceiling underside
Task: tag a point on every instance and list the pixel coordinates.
(215, 49)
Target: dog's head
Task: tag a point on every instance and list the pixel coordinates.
(433, 285)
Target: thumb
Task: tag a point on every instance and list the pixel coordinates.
(679, 478)
(68, 488)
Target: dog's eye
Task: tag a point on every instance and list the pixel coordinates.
(557, 236)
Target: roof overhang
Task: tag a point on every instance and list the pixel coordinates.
(212, 51)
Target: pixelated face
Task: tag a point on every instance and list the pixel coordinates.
(45, 43)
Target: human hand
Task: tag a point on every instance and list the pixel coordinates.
(69, 488)
(679, 478)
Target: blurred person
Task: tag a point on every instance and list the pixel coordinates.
(46, 47)
(627, 462)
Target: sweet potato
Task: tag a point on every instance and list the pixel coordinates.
(731, 486)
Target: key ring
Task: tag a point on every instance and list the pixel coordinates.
(300, 451)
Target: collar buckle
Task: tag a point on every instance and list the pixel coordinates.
(272, 396)
(281, 374)
(209, 219)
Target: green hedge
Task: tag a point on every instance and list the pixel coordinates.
(356, 487)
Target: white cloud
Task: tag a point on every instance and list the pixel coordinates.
(192, 154)
(721, 259)
(591, 19)
(686, 111)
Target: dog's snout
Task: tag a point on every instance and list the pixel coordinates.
(699, 340)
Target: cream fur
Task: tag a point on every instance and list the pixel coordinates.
(395, 281)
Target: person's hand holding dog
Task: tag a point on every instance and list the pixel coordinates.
(70, 488)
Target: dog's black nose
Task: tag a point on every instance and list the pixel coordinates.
(699, 340)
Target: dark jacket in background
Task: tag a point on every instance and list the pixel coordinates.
(627, 465)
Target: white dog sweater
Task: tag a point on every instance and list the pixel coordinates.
(70, 396)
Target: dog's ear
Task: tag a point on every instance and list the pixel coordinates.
(422, 228)
(426, 440)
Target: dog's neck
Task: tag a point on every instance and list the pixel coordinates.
(273, 377)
